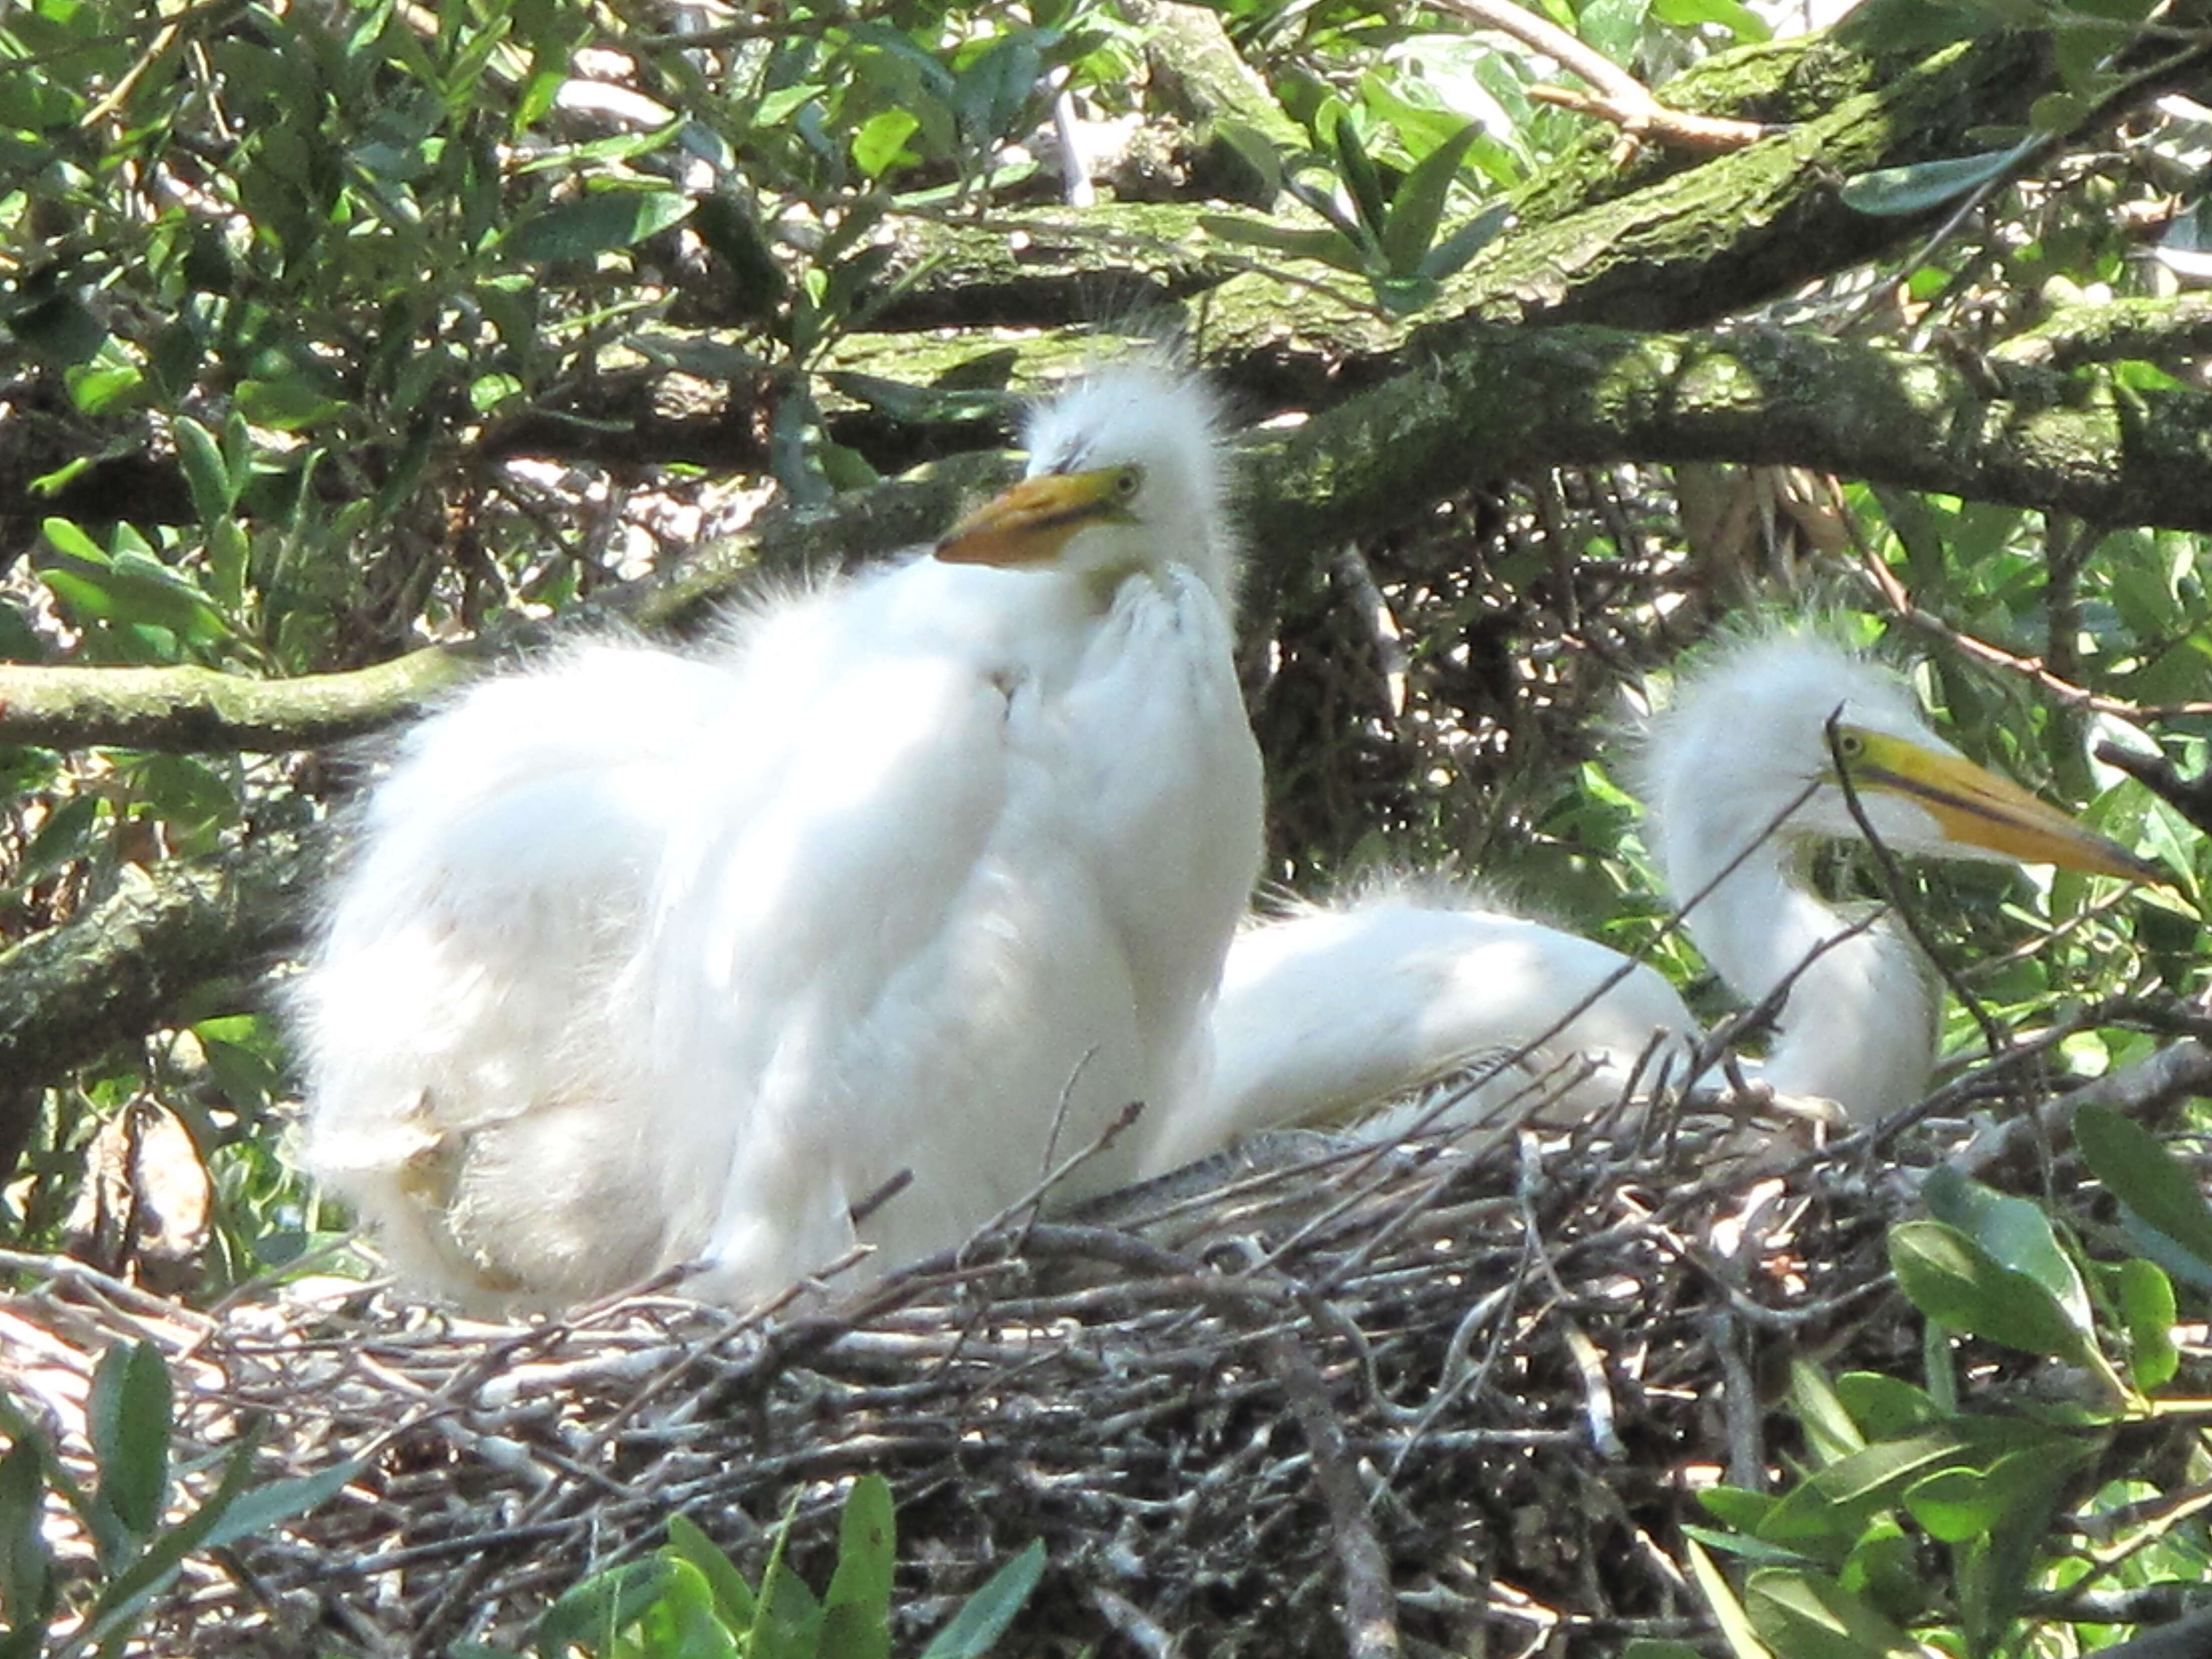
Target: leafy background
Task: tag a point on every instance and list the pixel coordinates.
(334, 335)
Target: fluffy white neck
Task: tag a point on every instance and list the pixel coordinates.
(1859, 1027)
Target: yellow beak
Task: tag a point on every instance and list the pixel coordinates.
(1980, 809)
(1031, 522)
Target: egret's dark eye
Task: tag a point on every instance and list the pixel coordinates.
(1851, 744)
(1127, 481)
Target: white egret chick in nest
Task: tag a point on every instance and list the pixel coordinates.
(1328, 1011)
(1746, 734)
(646, 958)
(1328, 1015)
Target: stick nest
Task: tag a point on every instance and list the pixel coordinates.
(1452, 1385)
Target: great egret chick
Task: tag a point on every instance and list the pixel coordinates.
(1327, 1012)
(1331, 1014)
(647, 958)
(1746, 733)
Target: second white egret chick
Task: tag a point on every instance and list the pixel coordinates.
(1327, 1012)
(1746, 733)
(930, 872)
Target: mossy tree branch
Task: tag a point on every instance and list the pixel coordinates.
(130, 964)
(1498, 401)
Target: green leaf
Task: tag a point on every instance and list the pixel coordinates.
(214, 493)
(102, 388)
(2146, 1298)
(879, 144)
(144, 590)
(1733, 15)
(67, 539)
(27, 1567)
(1884, 1567)
(733, 1597)
(1830, 1433)
(1885, 1407)
(596, 223)
(265, 1506)
(787, 1623)
(2141, 1174)
(1728, 1612)
(593, 1613)
(1915, 188)
(1469, 240)
(127, 1417)
(286, 404)
(680, 1622)
(1328, 247)
(1418, 206)
(1950, 1278)
(1960, 1503)
(1808, 1615)
(1736, 1506)
(2015, 1233)
(1830, 1508)
(857, 1606)
(125, 1596)
(984, 1616)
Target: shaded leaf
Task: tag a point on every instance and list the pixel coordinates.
(598, 222)
(856, 1608)
(27, 1567)
(1418, 206)
(1923, 185)
(214, 495)
(2145, 1177)
(2146, 1298)
(127, 1417)
(602, 1606)
(984, 1616)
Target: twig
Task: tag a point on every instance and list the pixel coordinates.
(2172, 1074)
(2191, 797)
(1621, 98)
(1893, 881)
(1370, 1605)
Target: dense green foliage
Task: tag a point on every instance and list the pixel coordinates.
(336, 333)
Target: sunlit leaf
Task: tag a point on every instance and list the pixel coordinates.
(1808, 1615)
(1951, 1279)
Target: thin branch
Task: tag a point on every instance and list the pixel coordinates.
(1899, 599)
(2172, 1074)
(1370, 1605)
(1622, 98)
(2191, 797)
(1893, 882)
